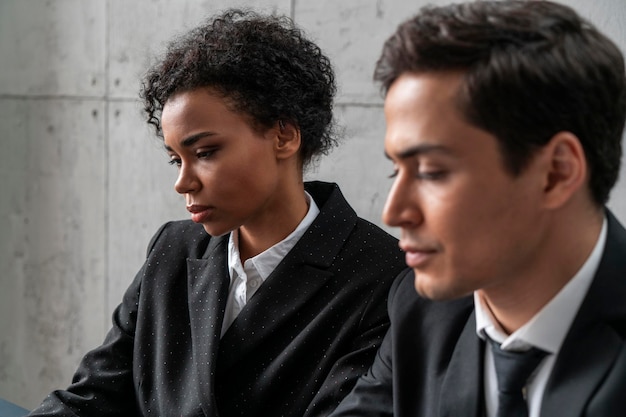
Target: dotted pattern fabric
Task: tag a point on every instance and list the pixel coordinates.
(296, 349)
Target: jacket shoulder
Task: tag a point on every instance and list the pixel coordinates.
(184, 237)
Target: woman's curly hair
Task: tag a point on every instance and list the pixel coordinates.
(263, 66)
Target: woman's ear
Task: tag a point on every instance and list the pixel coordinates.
(287, 140)
(566, 169)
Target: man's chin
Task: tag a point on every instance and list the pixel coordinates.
(434, 289)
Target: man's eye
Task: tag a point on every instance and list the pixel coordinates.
(431, 175)
(396, 170)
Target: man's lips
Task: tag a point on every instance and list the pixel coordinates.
(199, 213)
(417, 256)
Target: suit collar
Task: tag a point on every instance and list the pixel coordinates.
(593, 345)
(336, 218)
(208, 282)
(596, 336)
(315, 247)
(296, 279)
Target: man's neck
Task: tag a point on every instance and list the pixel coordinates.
(516, 300)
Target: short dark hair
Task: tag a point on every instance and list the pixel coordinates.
(531, 69)
(263, 66)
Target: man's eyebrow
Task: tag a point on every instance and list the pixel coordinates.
(420, 149)
(189, 141)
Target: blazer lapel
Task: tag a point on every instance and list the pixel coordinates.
(462, 388)
(295, 280)
(208, 283)
(580, 368)
(596, 337)
(277, 301)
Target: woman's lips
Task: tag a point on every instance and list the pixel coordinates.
(199, 213)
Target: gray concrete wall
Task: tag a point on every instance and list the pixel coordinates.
(85, 183)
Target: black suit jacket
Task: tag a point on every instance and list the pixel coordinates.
(296, 349)
(431, 361)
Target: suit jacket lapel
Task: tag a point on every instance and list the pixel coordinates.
(294, 281)
(594, 341)
(269, 309)
(580, 368)
(462, 388)
(208, 283)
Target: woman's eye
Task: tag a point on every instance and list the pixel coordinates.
(205, 153)
(174, 161)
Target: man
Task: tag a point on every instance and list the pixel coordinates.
(504, 124)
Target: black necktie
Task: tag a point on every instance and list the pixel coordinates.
(513, 370)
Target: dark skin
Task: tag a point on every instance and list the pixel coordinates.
(232, 175)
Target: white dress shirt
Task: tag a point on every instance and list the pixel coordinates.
(546, 331)
(246, 279)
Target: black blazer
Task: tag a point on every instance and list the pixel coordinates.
(296, 349)
(430, 363)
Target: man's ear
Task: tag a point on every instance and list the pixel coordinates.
(565, 169)
(287, 140)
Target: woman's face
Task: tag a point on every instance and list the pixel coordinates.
(228, 172)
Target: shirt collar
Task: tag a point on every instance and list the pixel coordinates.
(546, 329)
(265, 262)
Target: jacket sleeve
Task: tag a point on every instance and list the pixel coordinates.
(103, 383)
(349, 367)
(372, 395)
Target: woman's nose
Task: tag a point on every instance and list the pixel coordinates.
(187, 181)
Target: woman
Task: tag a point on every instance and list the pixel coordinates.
(271, 301)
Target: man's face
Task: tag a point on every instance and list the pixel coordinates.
(466, 222)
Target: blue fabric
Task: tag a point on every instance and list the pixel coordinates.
(8, 409)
